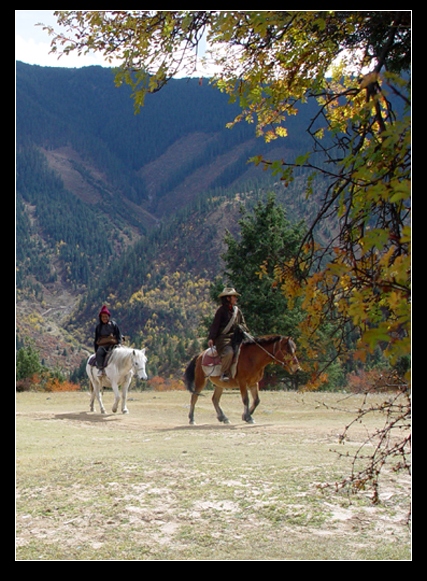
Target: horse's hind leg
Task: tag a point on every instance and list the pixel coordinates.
(193, 401)
(199, 383)
(215, 400)
(92, 397)
(96, 392)
(95, 389)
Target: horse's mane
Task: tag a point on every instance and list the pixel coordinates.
(121, 352)
(263, 339)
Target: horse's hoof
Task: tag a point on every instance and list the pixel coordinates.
(225, 421)
(102, 411)
(125, 411)
(192, 423)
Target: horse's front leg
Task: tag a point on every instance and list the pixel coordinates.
(255, 398)
(125, 388)
(246, 416)
(115, 387)
(215, 400)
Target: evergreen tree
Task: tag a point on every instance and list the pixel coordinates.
(27, 362)
(266, 239)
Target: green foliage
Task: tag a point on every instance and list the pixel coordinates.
(27, 362)
(362, 275)
(72, 231)
(82, 109)
(270, 62)
(266, 238)
(357, 276)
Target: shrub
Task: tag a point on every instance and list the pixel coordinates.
(55, 384)
(158, 383)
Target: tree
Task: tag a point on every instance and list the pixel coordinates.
(27, 362)
(266, 238)
(355, 64)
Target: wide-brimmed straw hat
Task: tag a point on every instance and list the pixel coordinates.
(229, 292)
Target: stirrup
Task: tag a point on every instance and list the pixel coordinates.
(224, 377)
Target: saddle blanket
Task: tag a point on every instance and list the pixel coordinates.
(211, 363)
(210, 357)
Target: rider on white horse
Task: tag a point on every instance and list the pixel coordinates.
(107, 335)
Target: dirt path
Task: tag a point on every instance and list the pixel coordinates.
(147, 486)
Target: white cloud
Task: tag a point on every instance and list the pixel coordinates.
(32, 43)
(34, 52)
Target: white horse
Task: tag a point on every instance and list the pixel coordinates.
(123, 363)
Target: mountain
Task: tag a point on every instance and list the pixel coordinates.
(129, 209)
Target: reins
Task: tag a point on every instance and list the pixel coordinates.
(272, 355)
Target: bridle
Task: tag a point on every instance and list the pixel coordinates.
(135, 363)
(275, 351)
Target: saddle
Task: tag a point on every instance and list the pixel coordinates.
(211, 363)
(92, 359)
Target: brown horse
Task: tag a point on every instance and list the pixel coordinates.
(254, 357)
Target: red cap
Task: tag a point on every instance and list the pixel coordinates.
(104, 311)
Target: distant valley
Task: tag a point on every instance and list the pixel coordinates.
(130, 210)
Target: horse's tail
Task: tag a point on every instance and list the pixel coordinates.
(189, 375)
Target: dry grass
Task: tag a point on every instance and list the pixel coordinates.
(147, 486)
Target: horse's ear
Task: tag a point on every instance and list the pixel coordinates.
(133, 352)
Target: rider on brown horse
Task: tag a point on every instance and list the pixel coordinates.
(228, 319)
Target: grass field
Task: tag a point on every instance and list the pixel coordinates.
(147, 486)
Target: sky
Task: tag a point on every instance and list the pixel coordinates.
(32, 43)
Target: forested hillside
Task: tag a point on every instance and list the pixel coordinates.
(129, 210)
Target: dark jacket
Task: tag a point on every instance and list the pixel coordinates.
(104, 330)
(220, 322)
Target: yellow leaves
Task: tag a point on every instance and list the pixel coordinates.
(291, 288)
(378, 306)
(262, 270)
(136, 297)
(394, 300)
(281, 131)
(315, 381)
(395, 269)
(59, 245)
(406, 235)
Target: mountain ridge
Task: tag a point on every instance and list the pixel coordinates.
(104, 193)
